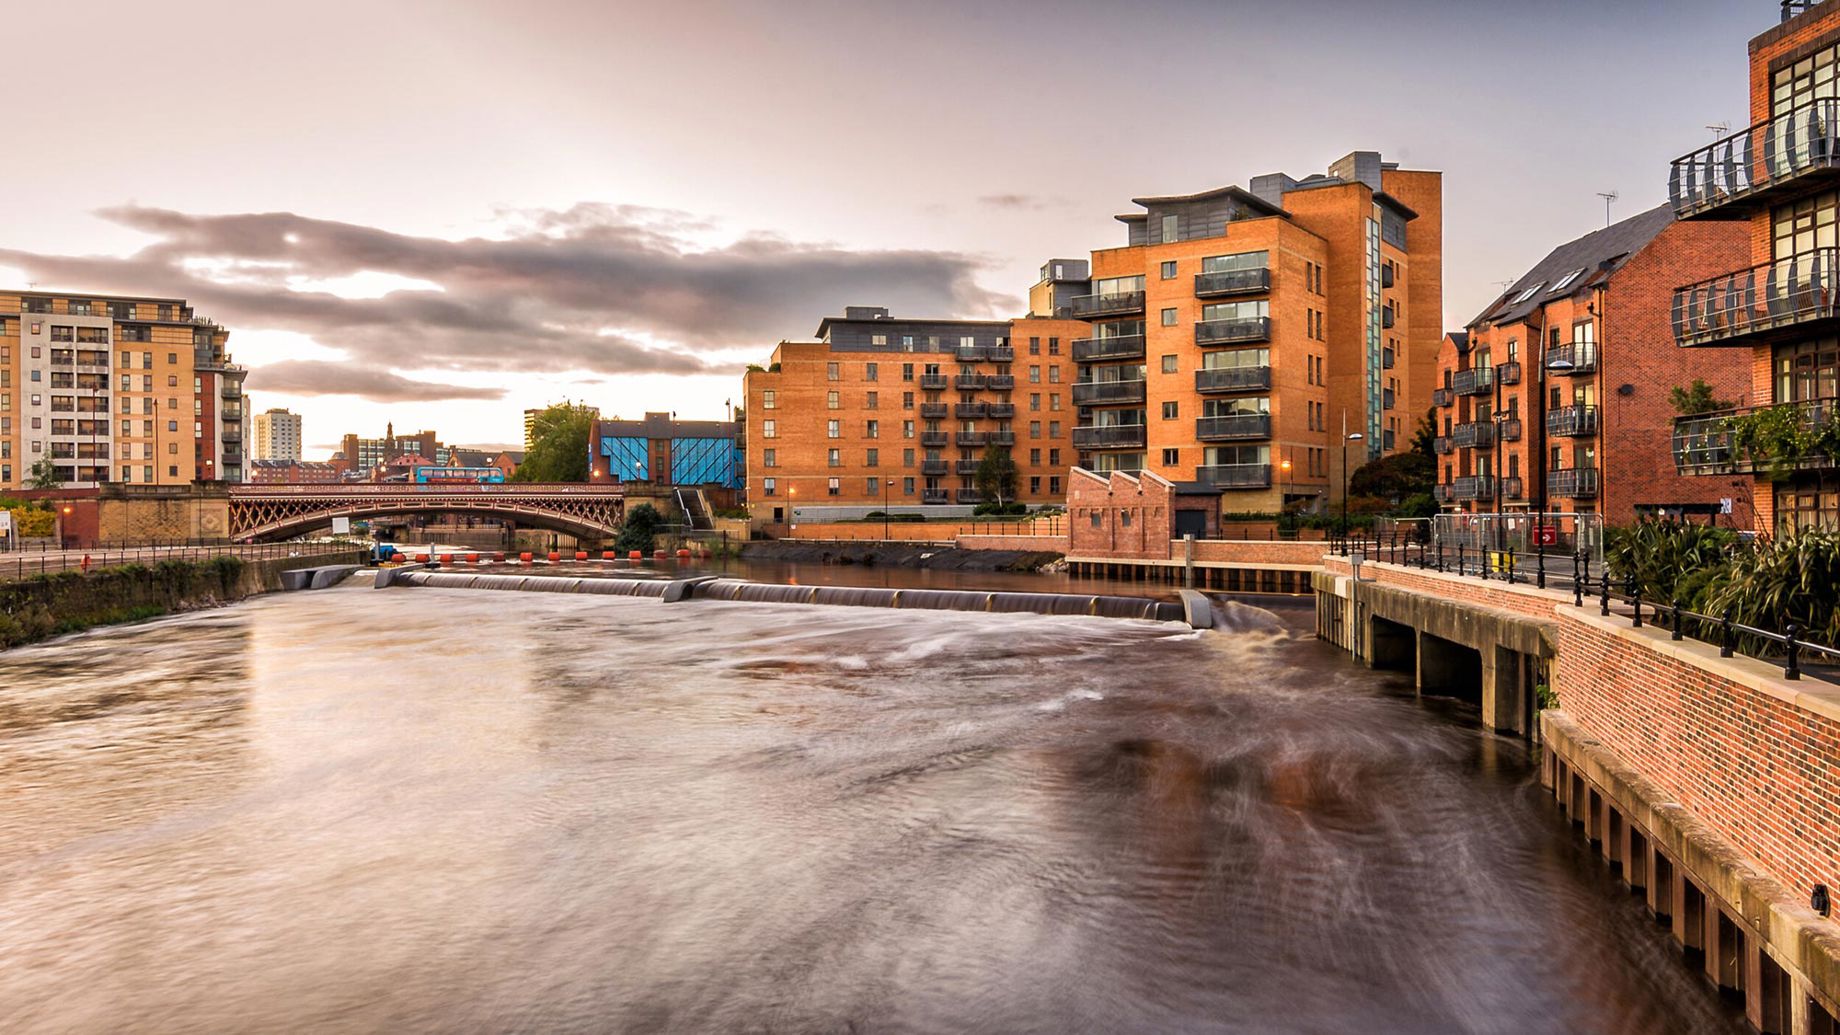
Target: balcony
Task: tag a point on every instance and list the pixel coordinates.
(1230, 379)
(232, 435)
(1580, 357)
(1002, 354)
(973, 353)
(1232, 427)
(968, 466)
(970, 496)
(935, 497)
(232, 391)
(1766, 164)
(972, 438)
(1109, 436)
(1475, 435)
(1097, 393)
(1387, 317)
(934, 411)
(1387, 398)
(1572, 421)
(1002, 438)
(1001, 411)
(1508, 373)
(1473, 487)
(1233, 332)
(1000, 382)
(1232, 282)
(1122, 303)
(1474, 381)
(1757, 305)
(1236, 476)
(1702, 444)
(1513, 489)
(1572, 483)
(1443, 397)
(1443, 446)
(968, 382)
(1119, 346)
(970, 411)
(1510, 429)
(934, 467)
(1386, 359)
(934, 382)
(934, 439)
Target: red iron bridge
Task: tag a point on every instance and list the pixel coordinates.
(261, 513)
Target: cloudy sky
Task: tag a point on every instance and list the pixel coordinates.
(439, 213)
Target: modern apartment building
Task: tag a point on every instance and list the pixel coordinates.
(666, 451)
(1239, 331)
(1557, 396)
(112, 388)
(1777, 308)
(884, 410)
(276, 435)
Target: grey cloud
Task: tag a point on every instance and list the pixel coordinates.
(1022, 202)
(314, 377)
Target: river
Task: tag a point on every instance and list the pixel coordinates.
(425, 809)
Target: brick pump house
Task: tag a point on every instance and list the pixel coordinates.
(1557, 396)
(1775, 309)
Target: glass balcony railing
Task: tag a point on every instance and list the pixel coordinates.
(1473, 487)
(1233, 332)
(1703, 443)
(1572, 482)
(1109, 436)
(1232, 282)
(1092, 393)
(1773, 161)
(1579, 357)
(1474, 381)
(1750, 306)
(1115, 304)
(1572, 421)
(1236, 476)
(1474, 435)
(1233, 426)
(1232, 379)
(1119, 346)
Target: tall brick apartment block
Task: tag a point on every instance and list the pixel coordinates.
(1779, 179)
(1239, 330)
(1557, 395)
(109, 388)
(884, 410)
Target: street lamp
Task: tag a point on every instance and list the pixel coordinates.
(887, 483)
(1350, 437)
(1560, 364)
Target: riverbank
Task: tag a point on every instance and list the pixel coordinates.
(41, 606)
(898, 555)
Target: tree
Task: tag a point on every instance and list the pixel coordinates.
(1424, 440)
(997, 476)
(559, 446)
(1696, 399)
(637, 531)
(1394, 476)
(43, 476)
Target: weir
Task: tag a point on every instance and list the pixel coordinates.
(1193, 608)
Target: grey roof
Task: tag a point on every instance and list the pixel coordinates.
(1599, 254)
(1460, 339)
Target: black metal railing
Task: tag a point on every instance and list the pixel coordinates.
(1232, 379)
(934, 438)
(1443, 446)
(970, 496)
(1233, 426)
(973, 353)
(1572, 482)
(971, 438)
(1702, 443)
(1509, 429)
(1474, 435)
(1000, 382)
(1109, 436)
(1092, 393)
(934, 411)
(1001, 438)
(970, 411)
(934, 467)
(1443, 397)
(1473, 487)
(1002, 354)
(1578, 357)
(1735, 308)
(968, 466)
(934, 382)
(935, 496)
(1002, 411)
(1118, 346)
(1573, 421)
(1113, 304)
(1232, 282)
(1474, 381)
(1762, 164)
(968, 382)
(1233, 332)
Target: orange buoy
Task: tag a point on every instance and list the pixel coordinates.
(636, 555)
(658, 555)
(683, 555)
(524, 558)
(581, 555)
(607, 555)
(554, 556)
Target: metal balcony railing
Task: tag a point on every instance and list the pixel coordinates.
(1000, 382)
(1002, 354)
(1764, 164)
(1001, 438)
(1742, 308)
(1513, 488)
(968, 466)
(970, 496)
(1002, 411)
(934, 438)
(1115, 304)
(1233, 426)
(1702, 443)
(1575, 421)
(1118, 346)
(1236, 476)
(1474, 435)
(970, 411)
(1109, 436)
(1233, 332)
(973, 353)
(968, 382)
(1473, 487)
(934, 382)
(1443, 397)
(1579, 357)
(1572, 482)
(1232, 282)
(1474, 381)
(934, 411)
(1510, 429)
(1093, 393)
(935, 496)
(1443, 446)
(971, 438)
(934, 467)
(1232, 379)
(1508, 373)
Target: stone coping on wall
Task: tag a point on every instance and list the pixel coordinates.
(1152, 562)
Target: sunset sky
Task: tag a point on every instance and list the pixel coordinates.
(438, 214)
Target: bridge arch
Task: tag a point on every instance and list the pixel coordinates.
(266, 513)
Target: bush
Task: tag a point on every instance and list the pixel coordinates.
(638, 530)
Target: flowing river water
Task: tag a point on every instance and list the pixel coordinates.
(442, 810)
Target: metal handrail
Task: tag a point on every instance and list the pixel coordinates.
(1763, 154)
(1792, 290)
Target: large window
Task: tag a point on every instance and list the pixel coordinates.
(1118, 285)
(1807, 506)
(1808, 370)
(1227, 456)
(1800, 228)
(1117, 418)
(1811, 78)
(1233, 407)
(1232, 263)
(1236, 359)
(1118, 329)
(1103, 462)
(1236, 312)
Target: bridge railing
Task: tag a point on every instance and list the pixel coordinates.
(362, 489)
(46, 558)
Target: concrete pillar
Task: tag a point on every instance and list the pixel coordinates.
(1503, 706)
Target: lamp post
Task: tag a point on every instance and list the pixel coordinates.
(1346, 438)
(1557, 365)
(887, 483)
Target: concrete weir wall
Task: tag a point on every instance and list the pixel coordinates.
(1712, 785)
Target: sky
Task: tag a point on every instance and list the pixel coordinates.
(437, 214)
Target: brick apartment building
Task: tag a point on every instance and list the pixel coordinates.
(1776, 308)
(1557, 395)
(885, 409)
(113, 388)
(1239, 328)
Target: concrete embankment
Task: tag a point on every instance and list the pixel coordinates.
(898, 555)
(41, 606)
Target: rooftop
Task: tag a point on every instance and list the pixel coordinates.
(1577, 266)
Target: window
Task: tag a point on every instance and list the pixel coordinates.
(907, 486)
(1124, 518)
(1054, 344)
(834, 487)
(1034, 346)
(871, 372)
(769, 429)
(1035, 401)
(769, 400)
(769, 457)
(907, 429)
(832, 372)
(834, 458)
(874, 458)
(1169, 270)
(1054, 485)
(1034, 429)
(1169, 364)
(1169, 229)
(833, 429)
(872, 401)
(1035, 458)
(1054, 400)
(907, 458)
(1034, 485)
(872, 429)
(1169, 410)
(1054, 375)
(1169, 317)
(1529, 293)
(1034, 375)
(878, 339)
(1054, 431)
(872, 485)
(907, 400)
(1094, 516)
(1566, 281)
(907, 342)
(832, 401)
(1172, 457)
(907, 372)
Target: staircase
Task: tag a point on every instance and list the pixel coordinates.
(696, 510)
